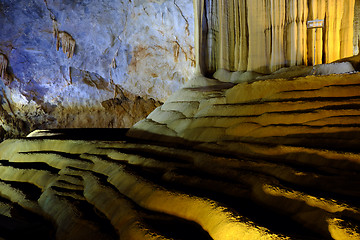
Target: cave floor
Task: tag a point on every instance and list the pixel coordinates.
(77, 185)
(274, 159)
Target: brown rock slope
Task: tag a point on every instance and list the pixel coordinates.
(273, 159)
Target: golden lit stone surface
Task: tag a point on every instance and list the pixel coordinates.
(271, 159)
(265, 35)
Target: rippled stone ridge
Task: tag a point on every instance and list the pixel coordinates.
(272, 159)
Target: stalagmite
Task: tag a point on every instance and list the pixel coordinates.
(3, 65)
(266, 35)
(55, 28)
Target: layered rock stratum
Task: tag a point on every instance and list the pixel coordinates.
(271, 159)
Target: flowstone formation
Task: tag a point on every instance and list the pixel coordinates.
(265, 35)
(272, 159)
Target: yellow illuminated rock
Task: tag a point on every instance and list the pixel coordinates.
(241, 155)
(271, 159)
(265, 35)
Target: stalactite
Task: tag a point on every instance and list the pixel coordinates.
(113, 61)
(67, 43)
(55, 29)
(66, 40)
(265, 35)
(3, 65)
(70, 77)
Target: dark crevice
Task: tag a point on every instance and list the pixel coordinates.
(70, 156)
(99, 134)
(165, 224)
(24, 224)
(246, 207)
(65, 190)
(314, 110)
(325, 194)
(30, 191)
(68, 183)
(41, 166)
(174, 227)
(284, 100)
(73, 176)
(342, 142)
(154, 154)
(291, 159)
(317, 89)
(91, 214)
(313, 127)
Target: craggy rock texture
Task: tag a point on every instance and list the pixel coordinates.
(272, 159)
(143, 47)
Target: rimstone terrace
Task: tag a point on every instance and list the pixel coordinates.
(103, 143)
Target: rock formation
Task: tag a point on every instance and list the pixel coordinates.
(265, 35)
(272, 159)
(3, 66)
(142, 47)
(67, 43)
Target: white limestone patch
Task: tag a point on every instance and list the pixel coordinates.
(333, 68)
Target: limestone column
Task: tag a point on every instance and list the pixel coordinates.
(277, 32)
(347, 29)
(302, 52)
(334, 15)
(224, 34)
(212, 36)
(242, 40)
(292, 32)
(198, 41)
(296, 32)
(317, 11)
(356, 27)
(258, 58)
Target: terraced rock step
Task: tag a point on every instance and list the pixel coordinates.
(280, 163)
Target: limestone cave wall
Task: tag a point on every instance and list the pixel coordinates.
(265, 35)
(116, 61)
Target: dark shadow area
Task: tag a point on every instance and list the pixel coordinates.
(24, 224)
(104, 134)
